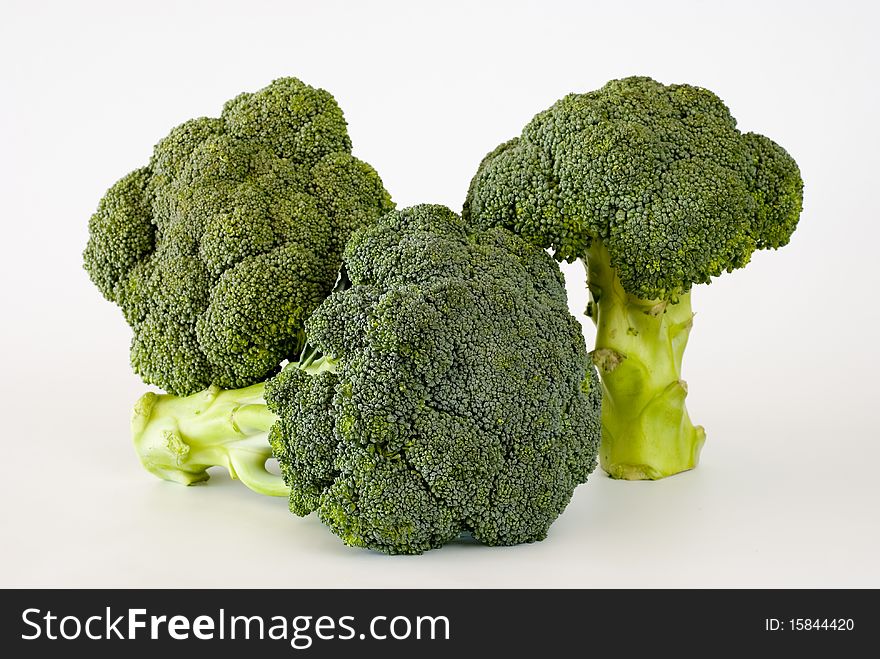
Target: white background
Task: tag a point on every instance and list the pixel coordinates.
(783, 362)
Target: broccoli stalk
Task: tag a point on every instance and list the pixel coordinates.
(646, 430)
(179, 437)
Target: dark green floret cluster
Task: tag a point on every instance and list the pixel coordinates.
(219, 249)
(461, 397)
(659, 174)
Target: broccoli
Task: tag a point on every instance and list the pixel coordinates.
(219, 249)
(656, 190)
(456, 396)
(444, 389)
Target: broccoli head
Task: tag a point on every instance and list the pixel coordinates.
(656, 189)
(461, 397)
(225, 242)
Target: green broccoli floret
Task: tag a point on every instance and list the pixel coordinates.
(656, 190)
(219, 249)
(460, 397)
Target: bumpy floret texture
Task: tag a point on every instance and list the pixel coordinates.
(464, 399)
(222, 245)
(659, 173)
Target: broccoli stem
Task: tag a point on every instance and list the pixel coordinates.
(646, 430)
(179, 437)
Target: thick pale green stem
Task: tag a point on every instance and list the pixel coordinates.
(646, 430)
(178, 439)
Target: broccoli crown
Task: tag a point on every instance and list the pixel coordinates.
(222, 245)
(660, 174)
(463, 398)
